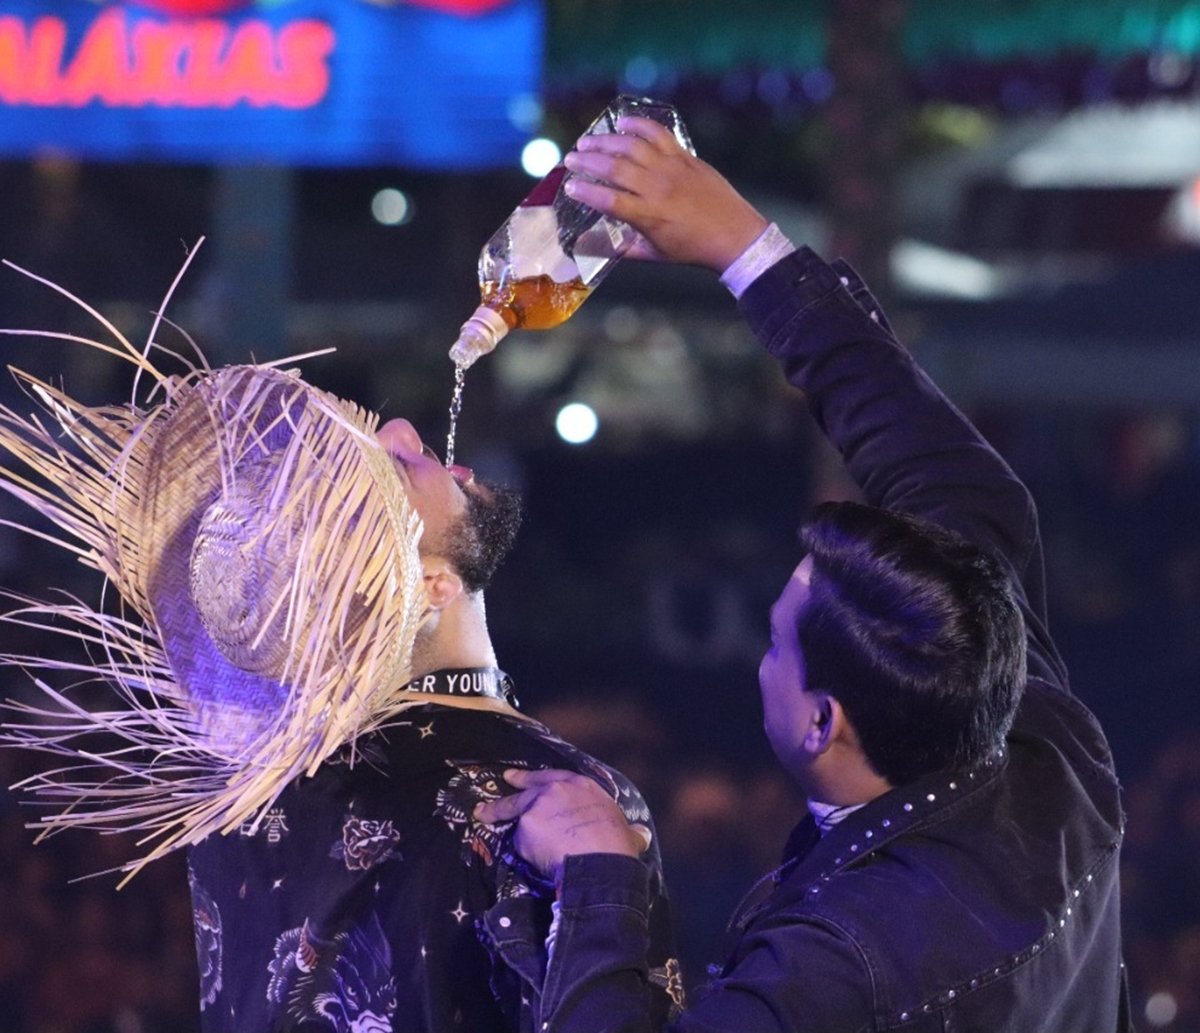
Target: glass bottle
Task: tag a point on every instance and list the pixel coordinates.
(550, 254)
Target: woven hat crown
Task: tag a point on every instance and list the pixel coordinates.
(276, 554)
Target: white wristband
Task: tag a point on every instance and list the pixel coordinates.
(764, 251)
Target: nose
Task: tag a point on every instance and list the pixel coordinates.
(400, 437)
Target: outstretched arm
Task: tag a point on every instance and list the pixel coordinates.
(905, 444)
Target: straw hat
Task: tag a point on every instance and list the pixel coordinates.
(265, 555)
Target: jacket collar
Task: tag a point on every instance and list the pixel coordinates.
(810, 860)
(895, 813)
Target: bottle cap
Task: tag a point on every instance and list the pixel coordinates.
(478, 336)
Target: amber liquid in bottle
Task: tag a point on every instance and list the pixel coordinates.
(536, 303)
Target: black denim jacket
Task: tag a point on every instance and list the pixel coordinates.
(975, 901)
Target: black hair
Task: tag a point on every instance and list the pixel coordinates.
(916, 632)
(480, 539)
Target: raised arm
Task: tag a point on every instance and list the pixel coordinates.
(906, 445)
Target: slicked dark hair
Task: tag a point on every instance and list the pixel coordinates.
(916, 632)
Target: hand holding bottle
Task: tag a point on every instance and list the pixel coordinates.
(553, 251)
(686, 210)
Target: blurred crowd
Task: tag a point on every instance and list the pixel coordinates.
(76, 955)
(1161, 887)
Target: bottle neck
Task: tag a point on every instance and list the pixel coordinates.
(478, 336)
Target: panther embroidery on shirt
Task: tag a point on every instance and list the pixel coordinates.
(344, 982)
(471, 784)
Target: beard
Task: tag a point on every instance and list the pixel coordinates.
(480, 539)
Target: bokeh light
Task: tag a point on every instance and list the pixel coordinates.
(391, 207)
(576, 423)
(539, 156)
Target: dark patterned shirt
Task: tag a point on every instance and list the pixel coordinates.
(353, 904)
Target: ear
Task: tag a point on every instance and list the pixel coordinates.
(442, 585)
(825, 724)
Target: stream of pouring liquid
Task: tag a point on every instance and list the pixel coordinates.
(460, 376)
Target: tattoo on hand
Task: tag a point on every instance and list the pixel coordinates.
(567, 812)
(571, 830)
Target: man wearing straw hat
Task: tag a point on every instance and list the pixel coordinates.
(307, 697)
(958, 868)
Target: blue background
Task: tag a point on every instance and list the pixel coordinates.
(408, 86)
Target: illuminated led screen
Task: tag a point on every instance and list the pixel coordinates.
(431, 84)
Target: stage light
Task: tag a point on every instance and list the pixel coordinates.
(391, 207)
(539, 156)
(576, 423)
(1161, 1009)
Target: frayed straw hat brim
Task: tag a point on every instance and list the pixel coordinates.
(265, 558)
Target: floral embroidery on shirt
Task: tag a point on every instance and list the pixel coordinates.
(366, 843)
